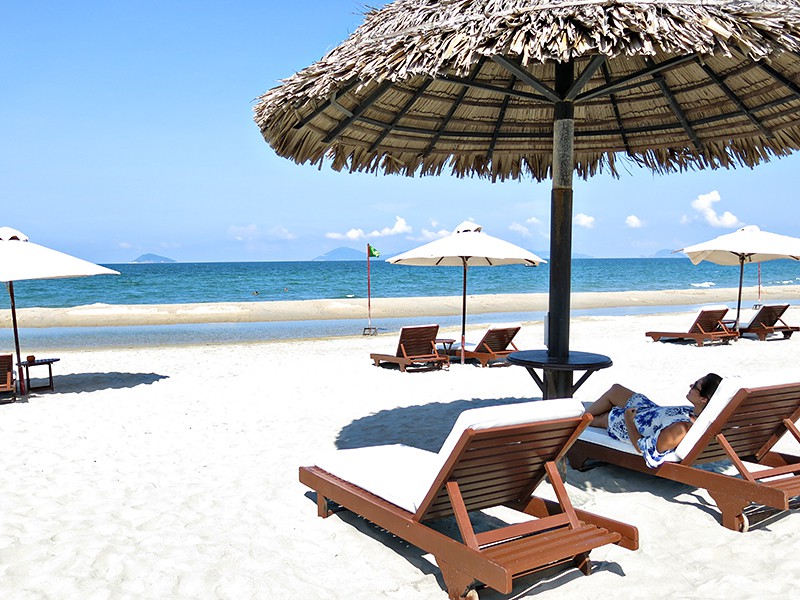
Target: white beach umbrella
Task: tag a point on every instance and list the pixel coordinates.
(746, 245)
(467, 246)
(21, 259)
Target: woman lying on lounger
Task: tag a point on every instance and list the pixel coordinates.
(654, 430)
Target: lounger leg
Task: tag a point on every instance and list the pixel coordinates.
(458, 583)
(732, 509)
(322, 506)
(582, 563)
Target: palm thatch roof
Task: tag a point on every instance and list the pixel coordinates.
(470, 86)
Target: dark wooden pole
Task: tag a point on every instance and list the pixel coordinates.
(21, 380)
(741, 281)
(464, 311)
(561, 230)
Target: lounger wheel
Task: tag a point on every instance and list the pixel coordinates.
(744, 523)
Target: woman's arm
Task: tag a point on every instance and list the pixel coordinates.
(671, 436)
(633, 432)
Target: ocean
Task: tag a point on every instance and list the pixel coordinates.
(178, 283)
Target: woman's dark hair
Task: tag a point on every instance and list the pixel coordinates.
(709, 385)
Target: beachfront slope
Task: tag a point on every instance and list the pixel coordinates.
(172, 473)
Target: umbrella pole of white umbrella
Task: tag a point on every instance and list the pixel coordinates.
(464, 312)
(741, 282)
(21, 379)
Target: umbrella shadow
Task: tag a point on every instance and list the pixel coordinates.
(92, 382)
(421, 426)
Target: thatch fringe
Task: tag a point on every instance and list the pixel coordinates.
(450, 43)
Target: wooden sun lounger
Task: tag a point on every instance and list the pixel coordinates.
(707, 327)
(495, 344)
(768, 320)
(7, 384)
(744, 432)
(495, 466)
(416, 349)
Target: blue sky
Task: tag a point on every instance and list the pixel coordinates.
(127, 129)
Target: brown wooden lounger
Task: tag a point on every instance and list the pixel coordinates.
(496, 343)
(7, 384)
(707, 327)
(744, 433)
(768, 320)
(480, 468)
(416, 349)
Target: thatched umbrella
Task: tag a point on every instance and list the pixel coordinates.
(506, 89)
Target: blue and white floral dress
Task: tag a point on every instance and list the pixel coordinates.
(651, 419)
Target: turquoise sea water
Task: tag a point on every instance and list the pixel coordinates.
(268, 281)
(176, 283)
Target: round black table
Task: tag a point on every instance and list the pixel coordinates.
(556, 379)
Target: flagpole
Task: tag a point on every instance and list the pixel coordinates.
(369, 329)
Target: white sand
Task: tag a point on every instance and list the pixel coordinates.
(356, 308)
(172, 473)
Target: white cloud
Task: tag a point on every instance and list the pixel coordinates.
(582, 220)
(633, 222)
(282, 233)
(125, 245)
(704, 204)
(400, 227)
(242, 233)
(520, 229)
(428, 235)
(533, 221)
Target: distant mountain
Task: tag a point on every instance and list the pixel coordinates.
(343, 253)
(153, 258)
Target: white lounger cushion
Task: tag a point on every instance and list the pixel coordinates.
(403, 474)
(725, 392)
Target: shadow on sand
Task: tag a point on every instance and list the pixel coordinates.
(425, 426)
(92, 382)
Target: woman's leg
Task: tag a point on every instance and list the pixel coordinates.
(616, 395)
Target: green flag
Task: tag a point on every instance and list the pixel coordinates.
(372, 252)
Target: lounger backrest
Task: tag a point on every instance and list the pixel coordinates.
(768, 315)
(497, 339)
(6, 372)
(497, 454)
(417, 340)
(708, 319)
(751, 421)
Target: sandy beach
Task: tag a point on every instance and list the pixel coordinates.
(172, 472)
(96, 315)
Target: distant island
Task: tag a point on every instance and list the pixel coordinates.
(343, 253)
(153, 258)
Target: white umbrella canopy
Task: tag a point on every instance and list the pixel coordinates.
(21, 259)
(468, 246)
(746, 245)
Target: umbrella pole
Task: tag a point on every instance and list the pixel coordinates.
(558, 384)
(22, 390)
(464, 312)
(741, 280)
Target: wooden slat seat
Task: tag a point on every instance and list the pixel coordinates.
(499, 463)
(708, 326)
(416, 349)
(744, 431)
